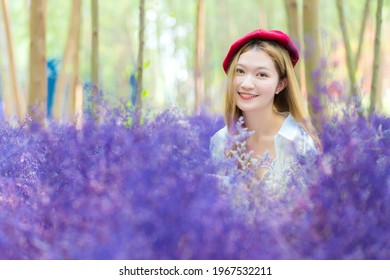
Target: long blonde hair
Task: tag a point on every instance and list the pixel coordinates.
(289, 99)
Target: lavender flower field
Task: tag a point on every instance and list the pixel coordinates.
(115, 190)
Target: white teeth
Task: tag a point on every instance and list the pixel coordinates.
(248, 95)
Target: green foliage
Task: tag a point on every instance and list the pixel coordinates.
(128, 122)
(146, 64)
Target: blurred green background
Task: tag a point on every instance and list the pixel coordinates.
(170, 45)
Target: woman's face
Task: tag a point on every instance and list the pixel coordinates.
(255, 81)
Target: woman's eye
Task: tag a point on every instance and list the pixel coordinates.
(240, 71)
(262, 75)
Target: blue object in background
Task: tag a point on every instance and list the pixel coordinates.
(133, 86)
(52, 75)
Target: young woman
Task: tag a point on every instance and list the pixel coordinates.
(262, 89)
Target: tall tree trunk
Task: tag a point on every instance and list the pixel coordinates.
(361, 35)
(311, 36)
(381, 75)
(377, 47)
(79, 105)
(71, 50)
(199, 55)
(95, 55)
(7, 100)
(294, 29)
(160, 81)
(76, 25)
(140, 60)
(37, 78)
(348, 50)
(16, 98)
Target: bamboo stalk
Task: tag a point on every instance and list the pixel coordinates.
(16, 97)
(60, 89)
(140, 60)
(313, 77)
(69, 67)
(199, 55)
(377, 46)
(7, 102)
(74, 59)
(294, 29)
(79, 106)
(348, 50)
(37, 77)
(94, 55)
(361, 35)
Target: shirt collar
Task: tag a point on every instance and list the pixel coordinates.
(289, 128)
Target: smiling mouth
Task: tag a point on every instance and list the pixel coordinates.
(247, 96)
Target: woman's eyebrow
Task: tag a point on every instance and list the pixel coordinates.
(257, 68)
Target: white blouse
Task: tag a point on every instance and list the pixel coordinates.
(291, 141)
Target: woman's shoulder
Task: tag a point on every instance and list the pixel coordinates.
(218, 143)
(296, 134)
(221, 134)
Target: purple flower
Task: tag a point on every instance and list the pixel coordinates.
(126, 190)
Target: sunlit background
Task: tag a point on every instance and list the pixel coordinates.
(170, 44)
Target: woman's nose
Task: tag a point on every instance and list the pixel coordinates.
(247, 82)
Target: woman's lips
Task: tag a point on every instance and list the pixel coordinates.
(247, 96)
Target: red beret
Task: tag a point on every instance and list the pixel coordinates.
(264, 35)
